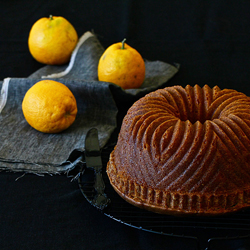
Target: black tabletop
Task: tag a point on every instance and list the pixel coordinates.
(211, 42)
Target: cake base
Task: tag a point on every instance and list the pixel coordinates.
(176, 204)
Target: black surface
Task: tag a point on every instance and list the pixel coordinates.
(210, 39)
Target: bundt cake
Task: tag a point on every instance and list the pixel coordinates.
(185, 151)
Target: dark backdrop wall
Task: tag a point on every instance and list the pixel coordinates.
(210, 39)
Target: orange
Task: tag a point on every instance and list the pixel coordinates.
(52, 40)
(122, 65)
(49, 106)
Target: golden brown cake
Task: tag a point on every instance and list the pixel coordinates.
(185, 151)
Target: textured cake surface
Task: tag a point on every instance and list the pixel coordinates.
(185, 151)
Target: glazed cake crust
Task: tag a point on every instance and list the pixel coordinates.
(185, 151)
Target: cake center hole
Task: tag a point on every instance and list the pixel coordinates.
(194, 117)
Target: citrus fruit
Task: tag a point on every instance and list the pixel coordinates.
(122, 65)
(49, 106)
(52, 40)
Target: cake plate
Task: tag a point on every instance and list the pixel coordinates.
(205, 232)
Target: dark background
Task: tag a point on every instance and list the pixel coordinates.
(209, 39)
